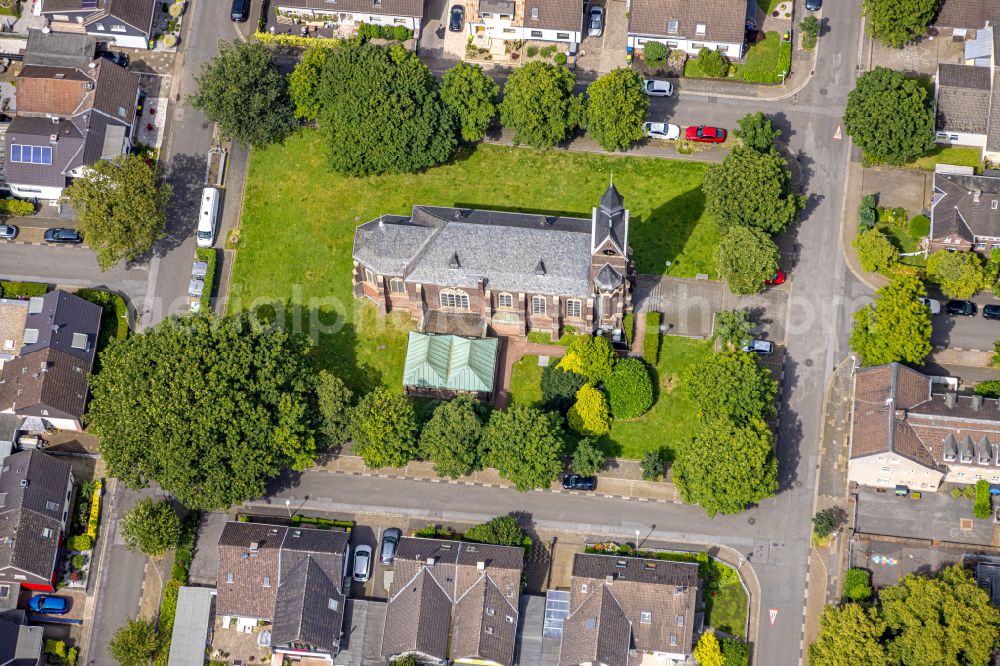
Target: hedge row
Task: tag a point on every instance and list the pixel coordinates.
(983, 506)
(16, 207)
(297, 41)
(651, 339)
(209, 255)
(183, 554)
(399, 33)
(628, 321)
(322, 522)
(22, 289)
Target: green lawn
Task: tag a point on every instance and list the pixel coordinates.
(957, 155)
(526, 382)
(671, 421)
(728, 610)
(763, 56)
(764, 62)
(299, 220)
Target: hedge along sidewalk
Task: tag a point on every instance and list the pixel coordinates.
(623, 479)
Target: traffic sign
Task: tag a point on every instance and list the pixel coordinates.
(838, 135)
(773, 612)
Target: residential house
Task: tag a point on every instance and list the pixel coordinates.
(904, 432)
(407, 13)
(465, 271)
(73, 109)
(20, 644)
(718, 25)
(447, 365)
(516, 20)
(965, 210)
(962, 19)
(454, 601)
(124, 23)
(47, 380)
(35, 494)
(627, 611)
(290, 577)
(13, 317)
(967, 97)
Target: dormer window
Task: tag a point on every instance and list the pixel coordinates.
(700, 29)
(645, 617)
(673, 26)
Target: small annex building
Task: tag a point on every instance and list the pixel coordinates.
(449, 365)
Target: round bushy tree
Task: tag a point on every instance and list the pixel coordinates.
(471, 95)
(384, 429)
(559, 388)
(890, 116)
(630, 389)
(151, 527)
(747, 259)
(588, 459)
(539, 104)
(712, 63)
(525, 445)
(959, 274)
(590, 415)
(451, 438)
(616, 107)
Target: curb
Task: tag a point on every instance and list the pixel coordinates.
(858, 273)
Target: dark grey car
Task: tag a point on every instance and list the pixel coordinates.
(390, 539)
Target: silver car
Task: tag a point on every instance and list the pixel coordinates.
(763, 347)
(664, 131)
(8, 232)
(362, 563)
(657, 88)
(390, 539)
(596, 21)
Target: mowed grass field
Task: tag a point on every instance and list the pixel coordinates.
(294, 254)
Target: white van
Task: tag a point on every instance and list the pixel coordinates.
(208, 217)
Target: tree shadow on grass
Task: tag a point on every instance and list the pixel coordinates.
(665, 233)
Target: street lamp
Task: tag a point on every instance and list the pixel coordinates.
(288, 506)
(637, 539)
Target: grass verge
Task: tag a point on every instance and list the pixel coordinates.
(526, 382)
(957, 155)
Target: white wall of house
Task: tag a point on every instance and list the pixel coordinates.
(64, 424)
(970, 473)
(506, 31)
(960, 139)
(691, 46)
(25, 191)
(889, 470)
(123, 41)
(411, 22)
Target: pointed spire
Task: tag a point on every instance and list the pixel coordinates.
(540, 268)
(612, 202)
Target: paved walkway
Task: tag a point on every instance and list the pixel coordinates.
(511, 352)
(622, 479)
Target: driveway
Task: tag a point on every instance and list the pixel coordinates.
(888, 561)
(935, 516)
(689, 305)
(436, 41)
(606, 52)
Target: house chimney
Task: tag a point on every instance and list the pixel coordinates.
(975, 195)
(254, 546)
(609, 579)
(950, 399)
(92, 65)
(977, 402)
(430, 561)
(900, 414)
(481, 566)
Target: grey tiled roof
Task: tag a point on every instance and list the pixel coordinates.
(666, 590)
(310, 604)
(387, 8)
(136, 13)
(29, 509)
(725, 20)
(67, 153)
(993, 130)
(20, 644)
(62, 316)
(47, 383)
(553, 15)
(440, 596)
(389, 244)
(968, 14)
(963, 98)
(956, 211)
(59, 49)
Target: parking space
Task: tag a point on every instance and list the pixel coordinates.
(436, 41)
(689, 305)
(76, 600)
(890, 561)
(205, 565)
(606, 51)
(935, 516)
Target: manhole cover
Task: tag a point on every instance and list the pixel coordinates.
(822, 91)
(751, 521)
(204, 125)
(809, 362)
(965, 523)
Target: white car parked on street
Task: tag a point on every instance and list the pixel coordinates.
(664, 131)
(657, 88)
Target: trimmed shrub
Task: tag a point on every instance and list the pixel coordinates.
(628, 328)
(17, 207)
(590, 415)
(559, 388)
(652, 465)
(532, 51)
(559, 59)
(78, 561)
(23, 290)
(655, 54)
(969, 493)
(651, 339)
(857, 585)
(712, 63)
(983, 506)
(867, 212)
(296, 41)
(630, 389)
(735, 652)
(80, 542)
(920, 225)
(956, 493)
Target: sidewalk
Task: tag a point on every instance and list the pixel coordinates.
(622, 479)
(849, 227)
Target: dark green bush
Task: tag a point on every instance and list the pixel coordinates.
(990, 389)
(735, 652)
(655, 54)
(712, 63)
(857, 585)
(559, 59)
(652, 465)
(629, 389)
(532, 51)
(628, 328)
(559, 388)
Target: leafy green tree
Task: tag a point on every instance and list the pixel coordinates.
(890, 116)
(122, 208)
(629, 389)
(757, 131)
(849, 635)
(616, 107)
(242, 91)
(876, 252)
(539, 104)
(895, 23)
(134, 643)
(732, 328)
(333, 400)
(209, 409)
(652, 465)
(752, 189)
(712, 63)
(451, 438)
(735, 652)
(730, 385)
(959, 274)
(525, 445)
(150, 527)
(471, 95)
(590, 414)
(381, 113)
(500, 531)
(559, 388)
(747, 259)
(943, 620)
(708, 652)
(590, 356)
(897, 327)
(384, 429)
(810, 31)
(304, 81)
(588, 459)
(989, 389)
(728, 466)
(407, 660)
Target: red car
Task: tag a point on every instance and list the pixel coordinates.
(705, 134)
(777, 278)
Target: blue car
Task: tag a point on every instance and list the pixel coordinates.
(45, 603)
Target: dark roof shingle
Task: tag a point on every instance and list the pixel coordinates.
(724, 20)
